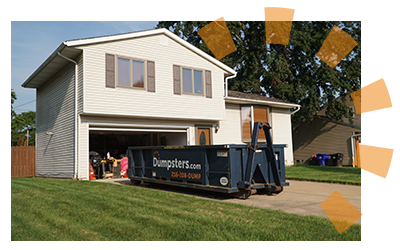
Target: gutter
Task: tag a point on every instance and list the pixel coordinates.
(75, 115)
(226, 83)
(261, 102)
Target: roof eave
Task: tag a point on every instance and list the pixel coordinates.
(43, 65)
(237, 100)
(164, 31)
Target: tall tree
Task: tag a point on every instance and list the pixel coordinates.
(291, 72)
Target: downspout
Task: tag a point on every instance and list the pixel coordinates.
(226, 83)
(296, 110)
(75, 115)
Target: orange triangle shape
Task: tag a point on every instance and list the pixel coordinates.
(375, 160)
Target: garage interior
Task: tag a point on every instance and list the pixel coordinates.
(107, 146)
(115, 142)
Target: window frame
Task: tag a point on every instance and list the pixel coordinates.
(192, 78)
(252, 117)
(131, 72)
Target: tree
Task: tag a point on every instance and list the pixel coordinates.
(21, 123)
(291, 72)
(13, 98)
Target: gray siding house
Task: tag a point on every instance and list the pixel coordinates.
(144, 88)
(327, 136)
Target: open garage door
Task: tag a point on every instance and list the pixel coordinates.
(115, 141)
(108, 145)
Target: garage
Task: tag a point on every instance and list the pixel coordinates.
(107, 145)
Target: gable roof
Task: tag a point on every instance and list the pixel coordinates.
(250, 98)
(54, 63)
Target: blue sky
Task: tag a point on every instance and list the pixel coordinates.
(32, 42)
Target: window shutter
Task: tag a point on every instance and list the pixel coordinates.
(151, 84)
(110, 71)
(177, 80)
(208, 84)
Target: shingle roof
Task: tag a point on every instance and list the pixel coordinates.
(252, 96)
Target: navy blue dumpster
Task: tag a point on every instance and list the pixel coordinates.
(322, 158)
(232, 168)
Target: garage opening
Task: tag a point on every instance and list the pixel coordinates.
(107, 146)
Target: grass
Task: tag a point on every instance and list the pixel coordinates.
(342, 175)
(54, 210)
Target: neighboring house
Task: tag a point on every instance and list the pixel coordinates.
(144, 88)
(327, 136)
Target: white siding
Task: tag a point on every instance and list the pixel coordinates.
(138, 102)
(55, 114)
(282, 131)
(230, 131)
(83, 154)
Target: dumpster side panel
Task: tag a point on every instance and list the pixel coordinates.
(219, 171)
(235, 162)
(178, 164)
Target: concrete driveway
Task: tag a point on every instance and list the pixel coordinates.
(300, 197)
(304, 197)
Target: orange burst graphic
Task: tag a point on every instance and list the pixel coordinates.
(375, 160)
(340, 211)
(336, 46)
(375, 96)
(278, 23)
(218, 38)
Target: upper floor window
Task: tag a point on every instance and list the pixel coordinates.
(130, 73)
(192, 81)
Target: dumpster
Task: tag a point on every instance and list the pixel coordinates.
(337, 159)
(237, 169)
(322, 158)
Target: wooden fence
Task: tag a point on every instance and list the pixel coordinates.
(22, 161)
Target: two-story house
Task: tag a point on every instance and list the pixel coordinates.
(144, 88)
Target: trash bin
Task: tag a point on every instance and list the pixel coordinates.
(313, 160)
(322, 159)
(337, 159)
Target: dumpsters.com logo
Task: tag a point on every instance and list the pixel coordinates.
(174, 163)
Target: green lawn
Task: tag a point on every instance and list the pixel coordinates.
(47, 209)
(343, 175)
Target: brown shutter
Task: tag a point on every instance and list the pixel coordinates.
(110, 71)
(177, 80)
(208, 84)
(151, 84)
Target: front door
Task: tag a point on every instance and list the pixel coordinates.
(203, 136)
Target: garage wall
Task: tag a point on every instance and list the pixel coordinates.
(282, 131)
(230, 131)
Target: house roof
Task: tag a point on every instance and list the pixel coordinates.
(54, 63)
(250, 98)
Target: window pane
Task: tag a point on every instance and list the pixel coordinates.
(198, 82)
(246, 123)
(187, 80)
(123, 72)
(138, 74)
